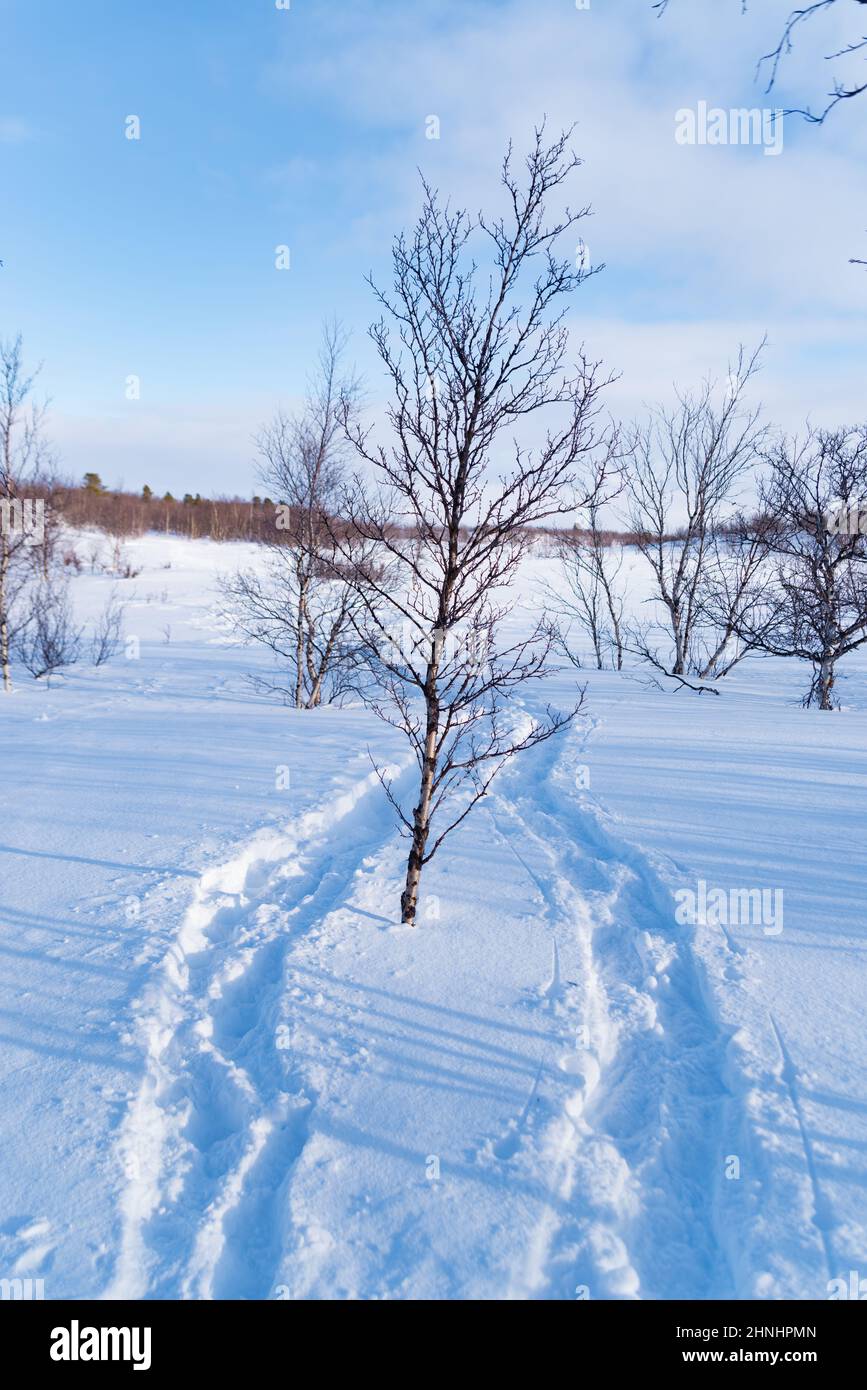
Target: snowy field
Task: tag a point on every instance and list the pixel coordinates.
(226, 1072)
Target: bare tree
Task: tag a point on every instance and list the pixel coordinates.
(733, 586)
(475, 348)
(22, 453)
(49, 640)
(681, 475)
(798, 18)
(816, 607)
(107, 632)
(301, 607)
(595, 601)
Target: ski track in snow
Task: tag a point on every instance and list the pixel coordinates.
(821, 1214)
(630, 1152)
(635, 1149)
(213, 1133)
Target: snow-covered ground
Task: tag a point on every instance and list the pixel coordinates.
(226, 1072)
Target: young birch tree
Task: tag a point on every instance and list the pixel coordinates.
(816, 605)
(681, 474)
(300, 607)
(592, 564)
(735, 582)
(475, 351)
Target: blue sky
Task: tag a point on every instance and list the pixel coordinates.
(306, 127)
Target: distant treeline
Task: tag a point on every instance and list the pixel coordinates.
(126, 514)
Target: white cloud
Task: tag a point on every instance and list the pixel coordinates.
(704, 246)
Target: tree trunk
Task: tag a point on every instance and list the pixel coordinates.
(714, 660)
(4, 615)
(679, 667)
(299, 644)
(826, 683)
(618, 641)
(318, 677)
(421, 814)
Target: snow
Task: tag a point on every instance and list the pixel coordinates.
(227, 1071)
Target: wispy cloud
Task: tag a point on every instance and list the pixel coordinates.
(706, 245)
